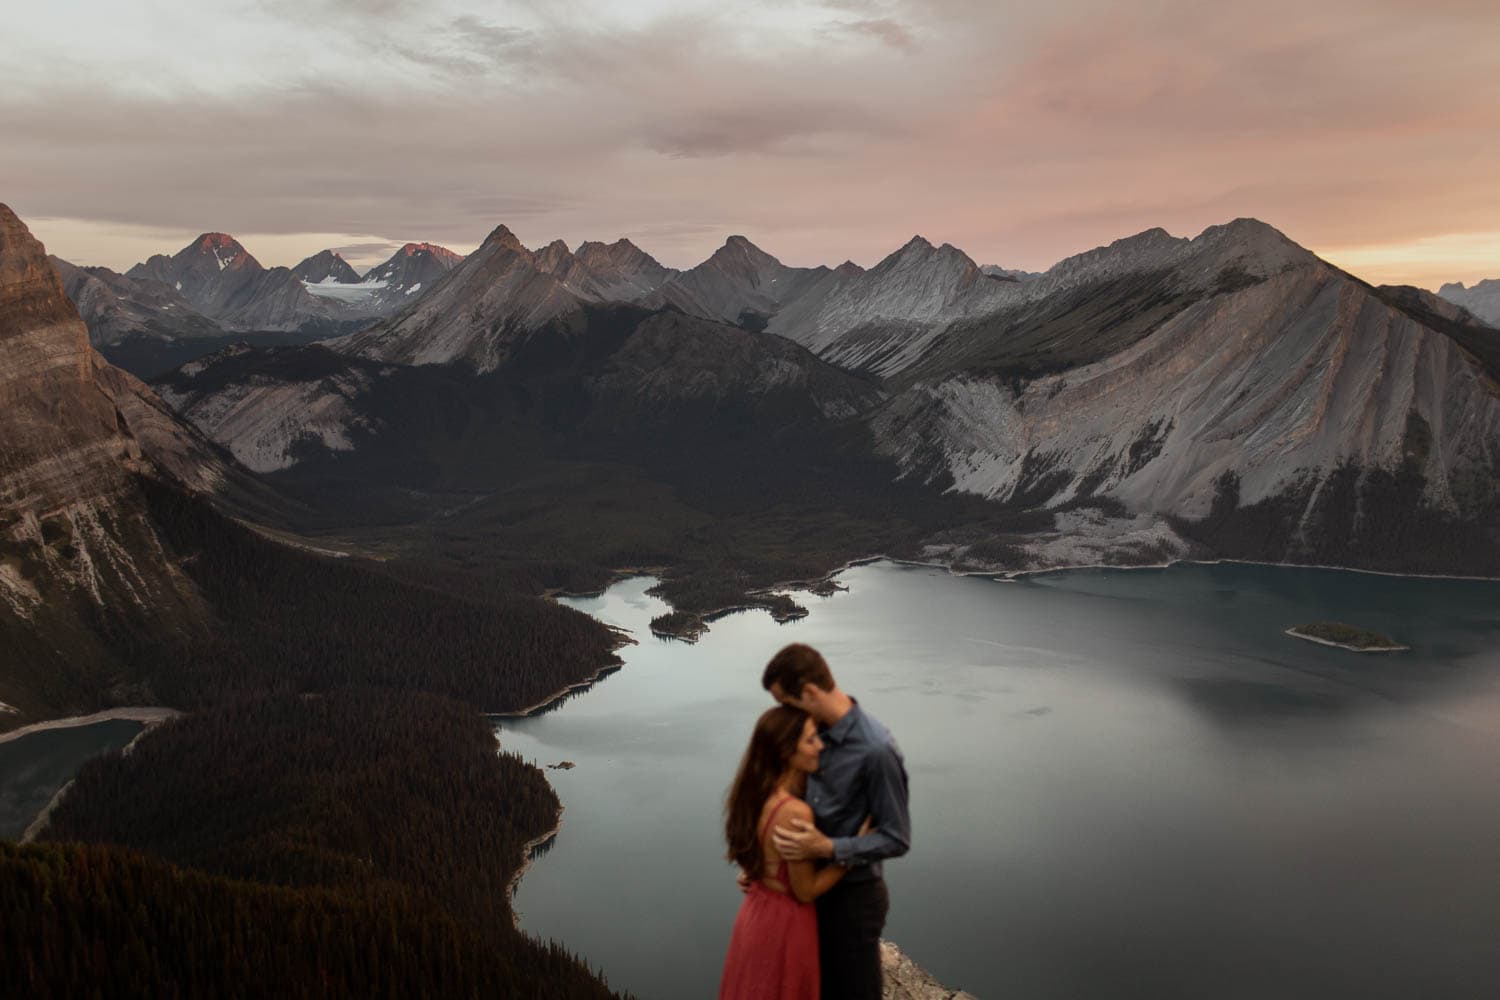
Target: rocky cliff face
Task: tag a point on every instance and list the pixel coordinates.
(905, 980)
(75, 540)
(116, 308)
(1483, 300)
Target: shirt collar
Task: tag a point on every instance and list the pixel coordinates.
(841, 729)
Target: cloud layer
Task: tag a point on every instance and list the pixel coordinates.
(821, 130)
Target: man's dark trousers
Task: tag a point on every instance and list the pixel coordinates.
(851, 916)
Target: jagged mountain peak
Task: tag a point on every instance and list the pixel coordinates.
(502, 237)
(848, 269)
(411, 249)
(1482, 298)
(555, 256)
(216, 241)
(1482, 285)
(32, 281)
(919, 252)
(326, 266)
(223, 249)
(1247, 232)
(739, 248)
(620, 253)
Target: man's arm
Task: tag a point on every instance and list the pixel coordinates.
(886, 832)
(885, 778)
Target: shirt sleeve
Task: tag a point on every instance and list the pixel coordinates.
(885, 777)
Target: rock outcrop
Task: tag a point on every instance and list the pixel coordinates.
(905, 980)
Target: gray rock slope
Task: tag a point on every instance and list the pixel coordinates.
(1149, 370)
(115, 307)
(1483, 300)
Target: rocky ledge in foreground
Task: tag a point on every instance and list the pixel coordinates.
(905, 980)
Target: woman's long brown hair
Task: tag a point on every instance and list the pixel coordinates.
(772, 745)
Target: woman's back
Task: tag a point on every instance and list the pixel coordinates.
(773, 953)
(774, 871)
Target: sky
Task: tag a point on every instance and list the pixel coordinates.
(824, 130)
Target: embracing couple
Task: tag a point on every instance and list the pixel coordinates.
(819, 802)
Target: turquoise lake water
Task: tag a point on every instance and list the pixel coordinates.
(1123, 783)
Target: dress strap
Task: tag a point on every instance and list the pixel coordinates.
(765, 827)
(782, 874)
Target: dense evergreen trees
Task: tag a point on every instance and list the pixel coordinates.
(388, 820)
(1367, 518)
(300, 622)
(333, 819)
(94, 921)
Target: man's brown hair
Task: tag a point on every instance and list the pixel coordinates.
(794, 667)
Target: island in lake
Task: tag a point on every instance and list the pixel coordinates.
(1344, 636)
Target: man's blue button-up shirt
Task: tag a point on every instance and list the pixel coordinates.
(861, 773)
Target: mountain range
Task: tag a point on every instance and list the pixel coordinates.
(1483, 299)
(1229, 395)
(173, 308)
(1161, 377)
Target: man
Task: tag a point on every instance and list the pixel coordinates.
(861, 775)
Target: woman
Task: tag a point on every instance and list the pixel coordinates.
(773, 954)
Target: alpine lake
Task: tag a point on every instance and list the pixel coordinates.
(1124, 783)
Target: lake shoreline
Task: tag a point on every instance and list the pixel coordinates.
(150, 715)
(820, 586)
(1345, 645)
(528, 856)
(155, 717)
(622, 639)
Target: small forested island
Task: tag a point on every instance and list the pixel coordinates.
(1344, 636)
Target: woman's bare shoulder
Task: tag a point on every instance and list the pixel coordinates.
(795, 808)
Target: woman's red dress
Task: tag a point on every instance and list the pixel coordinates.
(773, 953)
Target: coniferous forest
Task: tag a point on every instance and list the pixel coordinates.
(333, 817)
